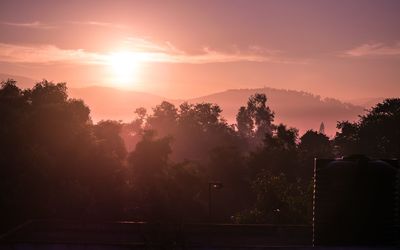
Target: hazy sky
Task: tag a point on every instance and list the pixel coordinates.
(179, 49)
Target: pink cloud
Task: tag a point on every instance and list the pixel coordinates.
(32, 25)
(374, 49)
(141, 49)
(45, 54)
(100, 24)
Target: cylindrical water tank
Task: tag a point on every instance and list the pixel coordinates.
(356, 202)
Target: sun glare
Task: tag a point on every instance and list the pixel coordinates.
(124, 66)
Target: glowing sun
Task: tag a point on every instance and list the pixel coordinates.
(124, 66)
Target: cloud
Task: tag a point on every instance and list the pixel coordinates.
(166, 52)
(374, 49)
(139, 49)
(46, 54)
(32, 25)
(41, 25)
(100, 24)
(212, 56)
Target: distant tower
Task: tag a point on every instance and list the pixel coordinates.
(322, 128)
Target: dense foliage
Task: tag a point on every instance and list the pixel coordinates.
(56, 163)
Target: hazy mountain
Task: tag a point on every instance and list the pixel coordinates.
(298, 109)
(367, 102)
(294, 108)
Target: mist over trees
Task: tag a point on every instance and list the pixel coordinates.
(56, 163)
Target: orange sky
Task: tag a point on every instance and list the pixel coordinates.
(181, 49)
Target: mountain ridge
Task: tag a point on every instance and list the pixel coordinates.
(299, 109)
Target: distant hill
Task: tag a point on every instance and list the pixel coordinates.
(294, 108)
(367, 102)
(298, 109)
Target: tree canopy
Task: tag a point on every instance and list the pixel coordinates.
(56, 163)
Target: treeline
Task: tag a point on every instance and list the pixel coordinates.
(56, 163)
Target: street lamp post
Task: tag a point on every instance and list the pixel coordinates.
(212, 185)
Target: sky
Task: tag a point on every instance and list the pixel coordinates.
(182, 49)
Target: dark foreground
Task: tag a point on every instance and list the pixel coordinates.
(134, 235)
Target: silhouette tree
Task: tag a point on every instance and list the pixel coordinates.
(148, 164)
(161, 189)
(375, 134)
(254, 122)
(109, 139)
(278, 201)
(202, 127)
(163, 120)
(228, 166)
(347, 140)
(53, 165)
(312, 145)
(245, 123)
(321, 128)
(315, 144)
(131, 133)
(279, 153)
(262, 115)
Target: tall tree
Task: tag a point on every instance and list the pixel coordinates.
(321, 128)
(255, 120)
(245, 123)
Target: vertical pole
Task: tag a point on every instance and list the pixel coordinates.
(314, 196)
(209, 201)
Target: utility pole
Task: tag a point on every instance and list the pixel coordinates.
(212, 185)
